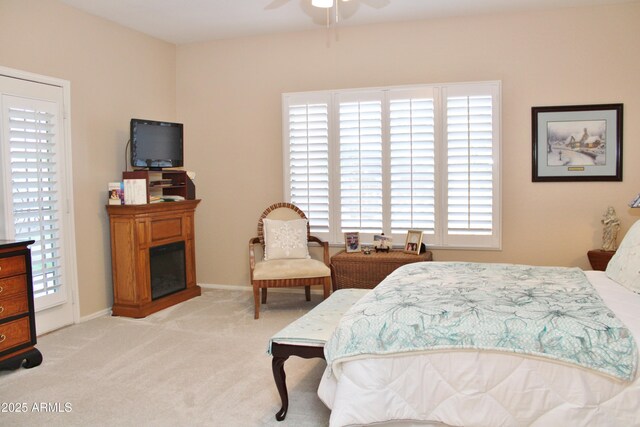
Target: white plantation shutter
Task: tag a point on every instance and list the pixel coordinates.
(412, 163)
(307, 160)
(360, 143)
(387, 160)
(34, 200)
(471, 138)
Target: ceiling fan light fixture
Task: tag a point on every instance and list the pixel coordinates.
(322, 3)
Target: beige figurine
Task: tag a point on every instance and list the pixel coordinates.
(611, 225)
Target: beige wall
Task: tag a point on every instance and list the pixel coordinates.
(229, 98)
(115, 74)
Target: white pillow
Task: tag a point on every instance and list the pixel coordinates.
(624, 266)
(285, 239)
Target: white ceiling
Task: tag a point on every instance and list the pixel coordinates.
(187, 21)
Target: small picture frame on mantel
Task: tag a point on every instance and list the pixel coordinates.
(413, 242)
(352, 241)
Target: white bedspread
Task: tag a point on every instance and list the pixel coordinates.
(482, 388)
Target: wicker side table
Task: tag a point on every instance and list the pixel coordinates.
(357, 270)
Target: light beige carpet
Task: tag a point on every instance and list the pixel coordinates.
(199, 363)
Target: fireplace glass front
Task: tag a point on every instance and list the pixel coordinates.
(167, 264)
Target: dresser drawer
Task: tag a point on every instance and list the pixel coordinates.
(17, 304)
(13, 286)
(10, 266)
(14, 333)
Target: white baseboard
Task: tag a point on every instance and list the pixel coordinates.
(248, 288)
(101, 313)
(225, 287)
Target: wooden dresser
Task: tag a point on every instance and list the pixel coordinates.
(17, 316)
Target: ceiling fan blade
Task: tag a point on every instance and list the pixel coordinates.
(276, 4)
(348, 8)
(376, 4)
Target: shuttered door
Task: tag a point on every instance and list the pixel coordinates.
(35, 205)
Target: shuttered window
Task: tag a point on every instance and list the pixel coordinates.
(469, 165)
(412, 161)
(32, 159)
(307, 161)
(388, 160)
(360, 146)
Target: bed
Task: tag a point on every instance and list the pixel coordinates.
(592, 380)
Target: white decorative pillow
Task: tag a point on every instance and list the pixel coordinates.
(285, 239)
(624, 266)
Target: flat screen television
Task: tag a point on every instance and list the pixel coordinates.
(156, 145)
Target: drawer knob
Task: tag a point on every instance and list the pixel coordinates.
(1, 289)
(2, 337)
(1, 309)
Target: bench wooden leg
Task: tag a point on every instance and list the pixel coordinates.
(281, 353)
(277, 366)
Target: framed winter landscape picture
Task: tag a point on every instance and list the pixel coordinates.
(577, 143)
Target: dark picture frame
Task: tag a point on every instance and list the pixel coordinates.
(577, 143)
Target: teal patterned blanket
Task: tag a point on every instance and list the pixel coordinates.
(550, 312)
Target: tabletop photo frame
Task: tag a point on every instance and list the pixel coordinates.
(413, 242)
(577, 143)
(382, 243)
(352, 241)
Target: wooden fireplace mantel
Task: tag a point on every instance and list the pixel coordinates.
(134, 230)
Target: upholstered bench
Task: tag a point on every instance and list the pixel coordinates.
(307, 336)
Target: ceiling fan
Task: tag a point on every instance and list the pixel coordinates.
(324, 3)
(335, 9)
